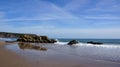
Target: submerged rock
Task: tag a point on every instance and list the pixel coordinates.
(95, 43)
(73, 42)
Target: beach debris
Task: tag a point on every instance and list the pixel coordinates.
(30, 46)
(95, 43)
(73, 42)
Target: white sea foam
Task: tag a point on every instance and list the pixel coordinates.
(108, 52)
(91, 45)
(8, 39)
(61, 43)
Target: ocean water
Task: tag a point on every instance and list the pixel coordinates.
(105, 41)
(108, 51)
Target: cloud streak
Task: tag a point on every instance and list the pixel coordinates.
(106, 6)
(75, 5)
(103, 17)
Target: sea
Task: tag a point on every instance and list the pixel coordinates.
(63, 40)
(104, 41)
(109, 51)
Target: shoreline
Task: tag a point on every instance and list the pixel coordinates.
(46, 59)
(11, 59)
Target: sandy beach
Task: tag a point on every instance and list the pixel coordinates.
(10, 59)
(50, 58)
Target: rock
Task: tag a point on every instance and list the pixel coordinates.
(32, 38)
(44, 37)
(73, 42)
(95, 43)
(35, 39)
(53, 40)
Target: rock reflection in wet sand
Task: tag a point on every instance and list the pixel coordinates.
(31, 46)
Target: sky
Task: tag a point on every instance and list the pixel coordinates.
(62, 18)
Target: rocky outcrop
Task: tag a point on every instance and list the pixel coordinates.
(35, 39)
(73, 42)
(95, 43)
(30, 46)
(12, 35)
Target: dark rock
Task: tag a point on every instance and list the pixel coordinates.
(73, 42)
(95, 43)
(35, 39)
(53, 40)
(32, 38)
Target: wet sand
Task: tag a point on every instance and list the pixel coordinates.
(9, 58)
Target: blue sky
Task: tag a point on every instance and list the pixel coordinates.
(62, 18)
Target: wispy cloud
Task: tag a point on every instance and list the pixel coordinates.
(106, 6)
(40, 11)
(75, 5)
(103, 17)
(28, 19)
